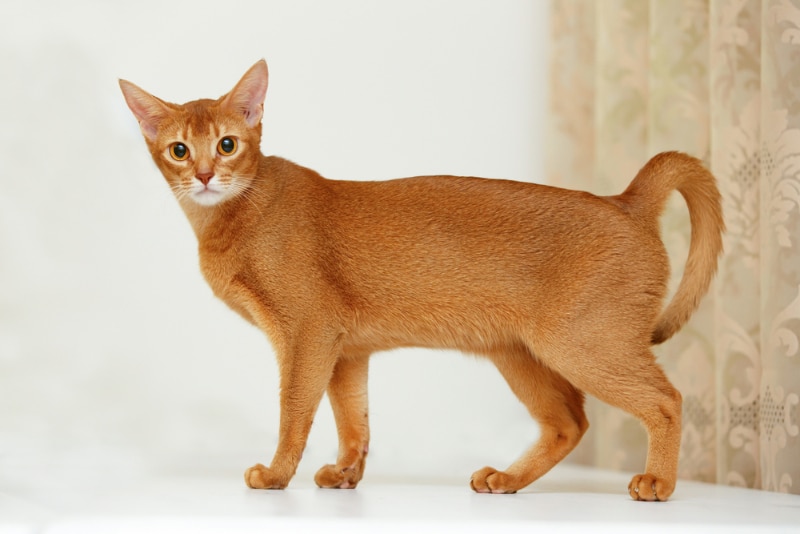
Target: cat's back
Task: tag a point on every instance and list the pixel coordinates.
(474, 222)
(424, 197)
(448, 212)
(469, 205)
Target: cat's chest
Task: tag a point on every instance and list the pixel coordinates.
(228, 276)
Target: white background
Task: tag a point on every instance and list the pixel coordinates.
(114, 355)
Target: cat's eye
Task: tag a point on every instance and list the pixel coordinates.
(178, 151)
(227, 146)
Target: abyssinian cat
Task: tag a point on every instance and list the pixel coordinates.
(562, 290)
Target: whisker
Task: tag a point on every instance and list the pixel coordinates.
(180, 191)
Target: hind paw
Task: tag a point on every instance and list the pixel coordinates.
(650, 488)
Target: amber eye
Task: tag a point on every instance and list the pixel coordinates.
(227, 146)
(178, 151)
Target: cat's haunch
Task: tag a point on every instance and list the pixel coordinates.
(562, 290)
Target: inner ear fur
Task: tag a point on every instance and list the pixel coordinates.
(149, 110)
(247, 97)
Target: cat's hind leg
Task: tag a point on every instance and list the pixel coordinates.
(625, 374)
(638, 385)
(347, 392)
(554, 403)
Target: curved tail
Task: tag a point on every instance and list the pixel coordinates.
(645, 199)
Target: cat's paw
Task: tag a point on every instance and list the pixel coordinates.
(261, 477)
(650, 488)
(489, 480)
(339, 477)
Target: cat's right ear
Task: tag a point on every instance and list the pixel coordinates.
(147, 109)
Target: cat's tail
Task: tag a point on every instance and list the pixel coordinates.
(645, 199)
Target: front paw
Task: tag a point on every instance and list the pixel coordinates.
(489, 480)
(261, 477)
(339, 477)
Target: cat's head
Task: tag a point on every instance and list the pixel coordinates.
(208, 150)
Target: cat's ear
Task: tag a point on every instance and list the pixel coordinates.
(247, 97)
(147, 109)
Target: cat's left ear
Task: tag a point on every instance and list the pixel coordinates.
(247, 97)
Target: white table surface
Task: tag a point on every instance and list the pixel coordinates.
(569, 499)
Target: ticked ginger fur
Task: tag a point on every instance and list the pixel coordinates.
(562, 290)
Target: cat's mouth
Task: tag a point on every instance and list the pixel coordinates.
(207, 194)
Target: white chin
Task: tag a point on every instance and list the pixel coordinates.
(208, 197)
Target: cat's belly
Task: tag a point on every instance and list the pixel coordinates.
(459, 325)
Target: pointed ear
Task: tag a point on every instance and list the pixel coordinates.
(247, 97)
(147, 109)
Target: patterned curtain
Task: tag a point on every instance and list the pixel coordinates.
(719, 79)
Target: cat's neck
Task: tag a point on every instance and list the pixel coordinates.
(209, 222)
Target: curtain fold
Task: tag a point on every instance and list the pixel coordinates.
(719, 79)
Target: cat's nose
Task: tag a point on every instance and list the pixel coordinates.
(204, 177)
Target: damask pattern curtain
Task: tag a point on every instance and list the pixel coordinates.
(719, 79)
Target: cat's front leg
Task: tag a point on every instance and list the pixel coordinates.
(305, 373)
(347, 392)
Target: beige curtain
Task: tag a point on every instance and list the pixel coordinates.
(719, 79)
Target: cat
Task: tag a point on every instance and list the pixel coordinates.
(562, 290)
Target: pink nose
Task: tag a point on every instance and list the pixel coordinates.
(204, 177)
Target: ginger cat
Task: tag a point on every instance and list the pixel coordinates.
(562, 290)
